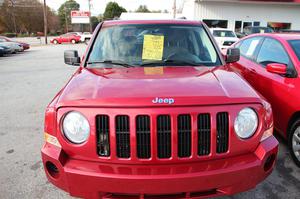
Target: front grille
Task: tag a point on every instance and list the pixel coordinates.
(204, 130)
(102, 127)
(222, 132)
(164, 136)
(143, 136)
(184, 135)
(123, 136)
(201, 136)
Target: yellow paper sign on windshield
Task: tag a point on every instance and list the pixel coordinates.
(153, 47)
(262, 31)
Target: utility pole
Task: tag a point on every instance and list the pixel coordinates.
(91, 28)
(13, 2)
(45, 22)
(174, 10)
(66, 19)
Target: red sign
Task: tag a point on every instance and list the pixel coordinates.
(76, 13)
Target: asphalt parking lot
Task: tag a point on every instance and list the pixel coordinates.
(28, 81)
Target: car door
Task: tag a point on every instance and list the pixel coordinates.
(273, 87)
(246, 65)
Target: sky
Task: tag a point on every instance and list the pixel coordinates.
(98, 6)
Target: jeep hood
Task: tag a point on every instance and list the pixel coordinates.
(137, 87)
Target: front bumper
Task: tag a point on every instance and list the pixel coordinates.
(189, 180)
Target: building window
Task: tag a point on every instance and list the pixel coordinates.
(238, 26)
(256, 23)
(216, 23)
(246, 24)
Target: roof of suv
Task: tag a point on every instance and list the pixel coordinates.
(173, 21)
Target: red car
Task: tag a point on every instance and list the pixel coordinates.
(153, 111)
(24, 45)
(66, 38)
(270, 63)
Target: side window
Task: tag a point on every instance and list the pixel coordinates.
(272, 52)
(249, 46)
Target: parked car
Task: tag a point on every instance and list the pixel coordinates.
(153, 110)
(13, 45)
(24, 45)
(270, 63)
(249, 30)
(6, 49)
(84, 37)
(66, 38)
(224, 37)
(1, 51)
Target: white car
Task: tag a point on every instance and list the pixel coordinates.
(84, 37)
(224, 37)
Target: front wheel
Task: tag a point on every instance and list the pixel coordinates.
(73, 41)
(294, 142)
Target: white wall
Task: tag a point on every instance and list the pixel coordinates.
(244, 12)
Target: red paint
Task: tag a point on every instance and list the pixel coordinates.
(83, 173)
(276, 68)
(281, 92)
(66, 38)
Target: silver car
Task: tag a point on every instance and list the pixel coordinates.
(13, 45)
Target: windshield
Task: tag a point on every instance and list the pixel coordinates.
(223, 33)
(153, 45)
(296, 47)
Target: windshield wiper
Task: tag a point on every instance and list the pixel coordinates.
(171, 61)
(113, 62)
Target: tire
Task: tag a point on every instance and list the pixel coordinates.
(55, 42)
(73, 41)
(294, 142)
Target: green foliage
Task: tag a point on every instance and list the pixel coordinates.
(64, 12)
(95, 22)
(142, 8)
(113, 10)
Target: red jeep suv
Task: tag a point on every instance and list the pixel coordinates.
(153, 111)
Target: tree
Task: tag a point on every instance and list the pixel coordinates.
(23, 16)
(142, 8)
(64, 12)
(113, 10)
(95, 22)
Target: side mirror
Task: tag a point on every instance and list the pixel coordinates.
(72, 58)
(232, 55)
(277, 68)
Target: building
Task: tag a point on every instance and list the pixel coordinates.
(237, 14)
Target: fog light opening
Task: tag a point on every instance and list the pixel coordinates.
(269, 162)
(52, 170)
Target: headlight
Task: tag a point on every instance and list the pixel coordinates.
(76, 127)
(246, 123)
